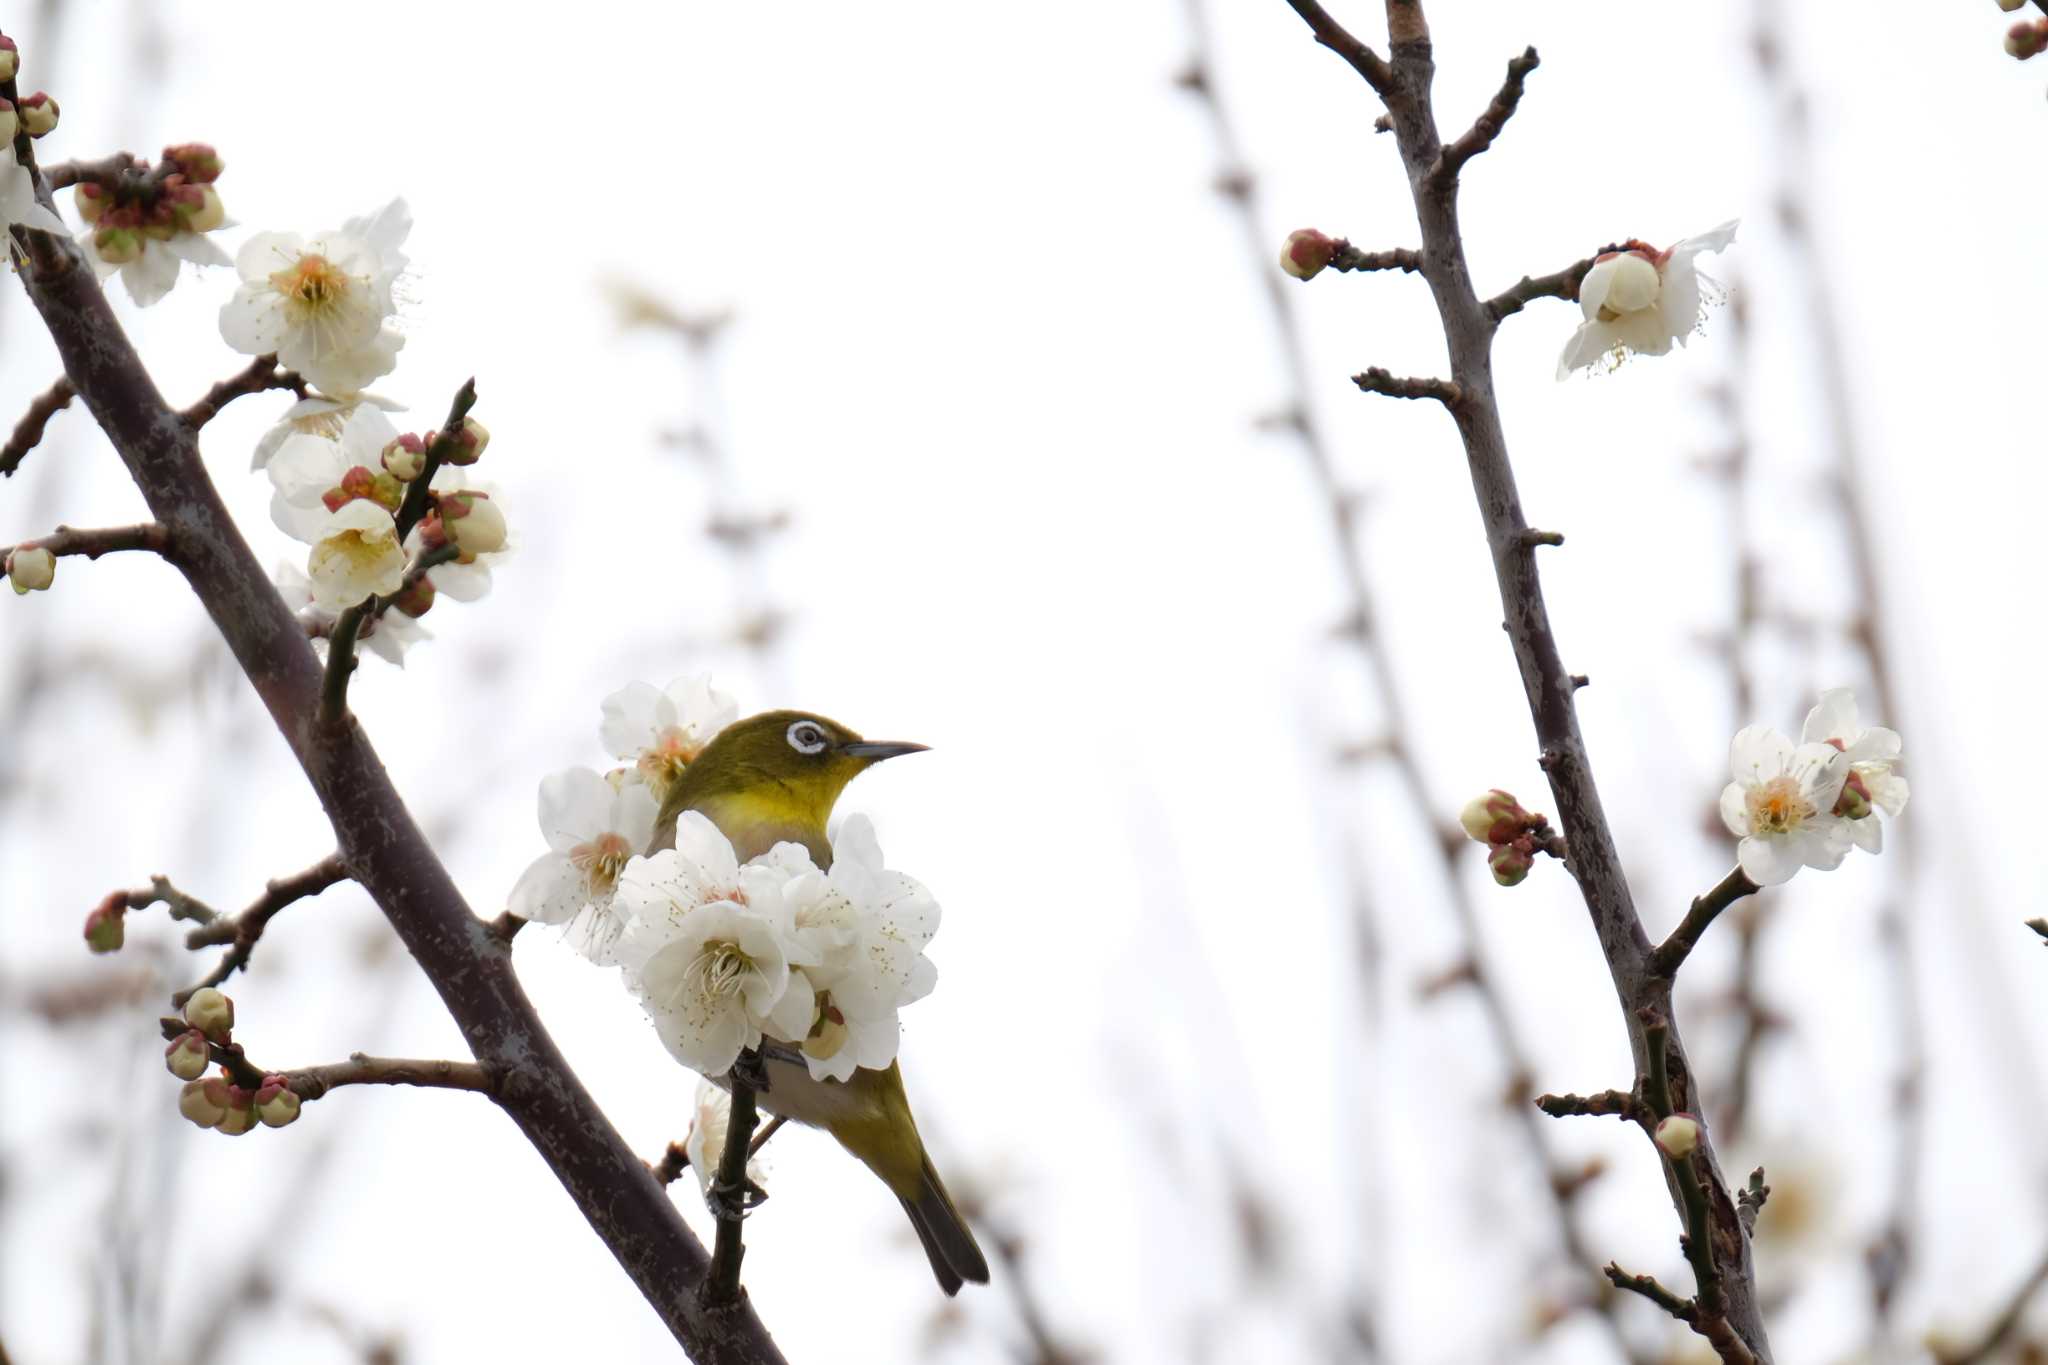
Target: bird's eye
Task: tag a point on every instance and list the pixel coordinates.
(806, 738)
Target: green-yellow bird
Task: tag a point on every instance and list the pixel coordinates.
(773, 778)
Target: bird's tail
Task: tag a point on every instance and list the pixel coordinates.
(954, 1255)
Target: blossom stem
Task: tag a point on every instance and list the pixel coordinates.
(1564, 284)
(434, 558)
(258, 376)
(1349, 258)
(722, 1284)
(107, 171)
(29, 430)
(420, 490)
(94, 542)
(1377, 380)
(1604, 1103)
(242, 931)
(1673, 951)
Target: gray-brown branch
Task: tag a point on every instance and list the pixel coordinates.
(379, 841)
(29, 430)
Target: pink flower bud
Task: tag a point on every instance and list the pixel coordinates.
(31, 568)
(405, 457)
(1494, 817)
(186, 1056)
(1306, 253)
(197, 208)
(241, 1112)
(91, 200)
(105, 926)
(204, 1102)
(10, 58)
(38, 114)
(276, 1104)
(2022, 41)
(468, 445)
(1510, 864)
(417, 598)
(212, 1013)
(196, 161)
(1678, 1135)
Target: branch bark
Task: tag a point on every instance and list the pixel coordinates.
(378, 839)
(29, 430)
(1469, 327)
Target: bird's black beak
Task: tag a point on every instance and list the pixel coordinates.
(874, 751)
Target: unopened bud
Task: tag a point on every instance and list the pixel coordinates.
(118, 245)
(10, 124)
(1678, 1135)
(212, 1013)
(1854, 802)
(31, 568)
(1510, 864)
(1493, 817)
(2022, 41)
(204, 1102)
(196, 161)
(198, 208)
(405, 457)
(1306, 253)
(106, 927)
(276, 1105)
(241, 1112)
(38, 114)
(10, 58)
(473, 522)
(416, 598)
(467, 446)
(91, 200)
(186, 1056)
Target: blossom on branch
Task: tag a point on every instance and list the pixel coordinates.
(317, 415)
(592, 832)
(18, 203)
(659, 731)
(1871, 754)
(356, 556)
(1781, 805)
(705, 1143)
(322, 304)
(1639, 300)
(387, 636)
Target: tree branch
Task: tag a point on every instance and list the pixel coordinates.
(1469, 327)
(1335, 37)
(29, 430)
(1377, 380)
(312, 1082)
(469, 966)
(97, 541)
(1562, 285)
(1349, 258)
(62, 175)
(242, 931)
(258, 376)
(730, 1191)
(1605, 1103)
(1673, 951)
(1487, 126)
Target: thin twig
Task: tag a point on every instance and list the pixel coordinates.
(1487, 126)
(96, 541)
(29, 430)
(312, 1082)
(1646, 1285)
(1349, 258)
(62, 175)
(258, 376)
(1618, 1104)
(244, 930)
(1673, 951)
(1377, 380)
(1332, 35)
(729, 1190)
(1562, 285)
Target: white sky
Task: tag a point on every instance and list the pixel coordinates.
(999, 350)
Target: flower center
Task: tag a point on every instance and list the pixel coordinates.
(673, 750)
(601, 860)
(312, 286)
(1777, 807)
(718, 970)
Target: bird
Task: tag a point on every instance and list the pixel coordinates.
(774, 778)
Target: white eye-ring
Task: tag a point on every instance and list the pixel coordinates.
(806, 738)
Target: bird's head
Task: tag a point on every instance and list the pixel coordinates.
(781, 768)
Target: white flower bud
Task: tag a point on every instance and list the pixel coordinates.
(240, 1116)
(1678, 1135)
(38, 114)
(1620, 284)
(212, 1013)
(31, 569)
(1306, 252)
(10, 58)
(185, 1058)
(204, 1102)
(479, 529)
(276, 1104)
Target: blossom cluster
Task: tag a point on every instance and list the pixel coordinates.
(722, 953)
(1807, 804)
(218, 1102)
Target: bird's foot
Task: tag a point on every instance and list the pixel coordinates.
(751, 1071)
(730, 1203)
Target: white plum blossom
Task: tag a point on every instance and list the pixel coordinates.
(705, 1143)
(712, 970)
(1782, 803)
(592, 832)
(386, 636)
(18, 203)
(1871, 754)
(306, 466)
(660, 731)
(464, 580)
(356, 555)
(322, 304)
(317, 415)
(866, 927)
(1639, 300)
(154, 270)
